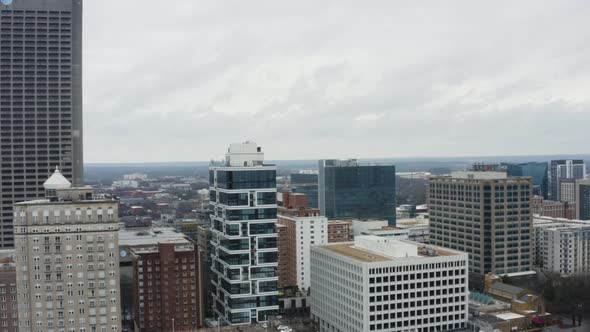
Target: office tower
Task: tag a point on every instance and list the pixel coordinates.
(165, 286)
(305, 228)
(40, 99)
(537, 170)
(485, 214)
(583, 199)
(243, 236)
(564, 169)
(8, 301)
(68, 260)
(350, 190)
(377, 284)
(561, 246)
(306, 182)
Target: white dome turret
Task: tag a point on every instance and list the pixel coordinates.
(57, 181)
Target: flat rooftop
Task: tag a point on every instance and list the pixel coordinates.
(373, 249)
(133, 237)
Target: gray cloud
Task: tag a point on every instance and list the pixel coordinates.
(172, 81)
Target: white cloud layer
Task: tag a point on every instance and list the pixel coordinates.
(180, 80)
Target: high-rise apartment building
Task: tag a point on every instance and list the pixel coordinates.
(67, 252)
(583, 199)
(378, 284)
(537, 170)
(243, 235)
(564, 169)
(305, 228)
(40, 99)
(165, 286)
(350, 190)
(562, 246)
(485, 214)
(567, 190)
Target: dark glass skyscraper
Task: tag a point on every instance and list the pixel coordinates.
(564, 169)
(350, 190)
(536, 170)
(40, 99)
(583, 199)
(306, 183)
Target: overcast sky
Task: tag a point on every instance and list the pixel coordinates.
(180, 80)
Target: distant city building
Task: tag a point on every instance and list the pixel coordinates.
(244, 238)
(350, 190)
(553, 209)
(40, 100)
(486, 167)
(377, 284)
(583, 199)
(135, 176)
(406, 211)
(537, 170)
(567, 190)
(165, 286)
(485, 214)
(68, 261)
(119, 184)
(306, 182)
(561, 245)
(564, 169)
(8, 296)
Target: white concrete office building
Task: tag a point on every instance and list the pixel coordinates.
(380, 284)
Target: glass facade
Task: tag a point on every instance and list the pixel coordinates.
(244, 241)
(584, 202)
(564, 169)
(349, 190)
(306, 184)
(537, 170)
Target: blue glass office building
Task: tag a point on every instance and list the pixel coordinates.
(350, 190)
(537, 170)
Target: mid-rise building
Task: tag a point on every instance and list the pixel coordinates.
(339, 230)
(485, 214)
(377, 284)
(40, 99)
(564, 169)
(204, 246)
(561, 245)
(305, 227)
(348, 189)
(537, 170)
(554, 209)
(68, 260)
(243, 235)
(165, 286)
(583, 199)
(8, 301)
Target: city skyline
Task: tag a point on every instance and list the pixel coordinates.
(386, 80)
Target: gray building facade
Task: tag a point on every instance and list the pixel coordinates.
(350, 190)
(583, 199)
(40, 99)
